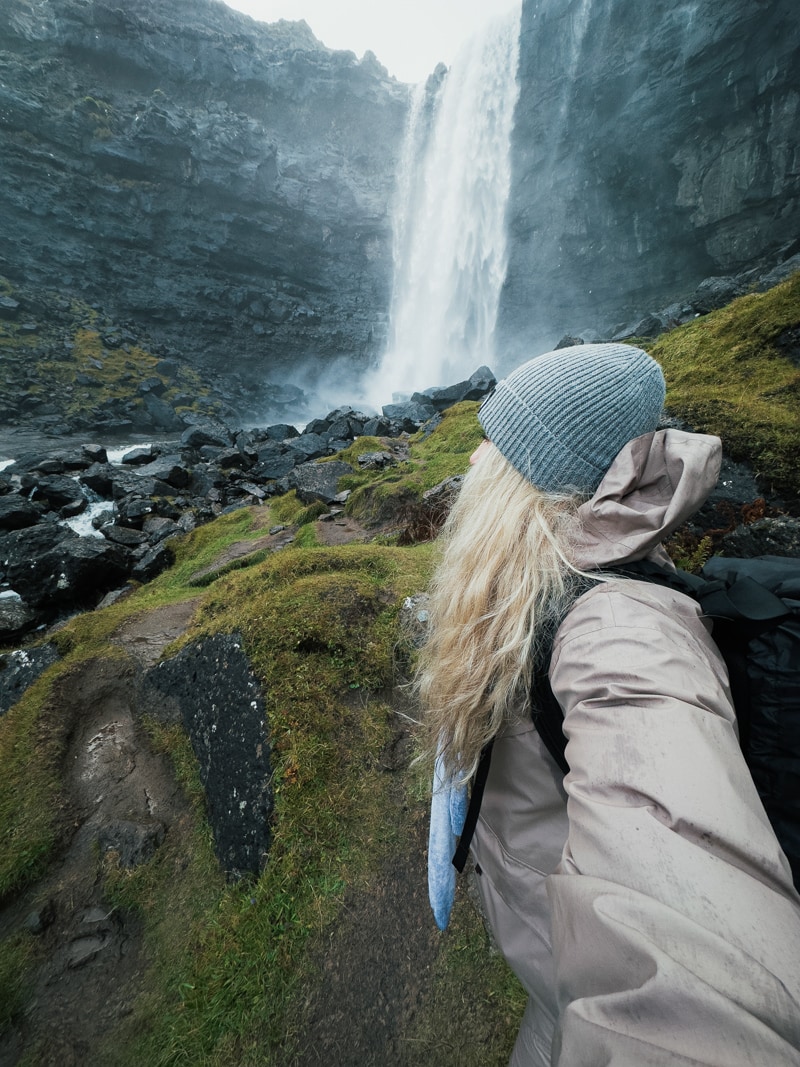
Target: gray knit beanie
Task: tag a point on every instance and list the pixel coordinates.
(562, 417)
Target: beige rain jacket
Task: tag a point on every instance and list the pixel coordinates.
(643, 901)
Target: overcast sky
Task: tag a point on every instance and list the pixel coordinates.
(408, 36)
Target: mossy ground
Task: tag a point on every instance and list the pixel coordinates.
(735, 373)
(232, 967)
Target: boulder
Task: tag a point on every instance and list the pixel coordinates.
(17, 512)
(281, 431)
(152, 563)
(206, 433)
(123, 535)
(58, 491)
(309, 446)
(410, 415)
(72, 573)
(318, 481)
(21, 668)
(169, 469)
(16, 619)
(141, 455)
(99, 478)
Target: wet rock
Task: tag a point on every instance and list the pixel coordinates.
(309, 446)
(205, 433)
(168, 469)
(481, 382)
(377, 427)
(159, 528)
(765, 537)
(281, 431)
(72, 570)
(371, 461)
(221, 705)
(99, 478)
(410, 415)
(20, 669)
(18, 512)
(95, 453)
(123, 535)
(135, 843)
(57, 491)
(16, 617)
(318, 481)
(139, 456)
(713, 293)
(274, 461)
(153, 562)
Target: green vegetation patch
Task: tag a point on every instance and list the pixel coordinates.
(393, 493)
(33, 737)
(65, 363)
(729, 374)
(319, 627)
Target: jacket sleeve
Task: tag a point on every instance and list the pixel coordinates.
(676, 929)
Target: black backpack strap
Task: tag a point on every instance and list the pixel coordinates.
(548, 718)
(474, 809)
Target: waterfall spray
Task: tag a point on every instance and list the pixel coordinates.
(449, 230)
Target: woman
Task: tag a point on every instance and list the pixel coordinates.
(643, 900)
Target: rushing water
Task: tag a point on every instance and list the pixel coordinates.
(449, 228)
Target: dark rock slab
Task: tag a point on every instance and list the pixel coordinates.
(213, 687)
(58, 490)
(169, 469)
(766, 537)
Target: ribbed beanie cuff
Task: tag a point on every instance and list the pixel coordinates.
(561, 418)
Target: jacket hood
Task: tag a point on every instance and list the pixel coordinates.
(654, 484)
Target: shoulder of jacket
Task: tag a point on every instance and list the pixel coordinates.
(625, 603)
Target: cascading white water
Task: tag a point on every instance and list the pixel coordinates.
(450, 238)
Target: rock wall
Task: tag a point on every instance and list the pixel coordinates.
(655, 146)
(222, 182)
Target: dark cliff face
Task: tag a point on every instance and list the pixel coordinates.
(655, 146)
(224, 183)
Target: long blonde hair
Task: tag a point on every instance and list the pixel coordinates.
(503, 583)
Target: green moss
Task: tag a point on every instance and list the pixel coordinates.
(16, 953)
(32, 740)
(727, 375)
(319, 628)
(291, 511)
(53, 371)
(385, 496)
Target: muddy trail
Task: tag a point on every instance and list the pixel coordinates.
(374, 965)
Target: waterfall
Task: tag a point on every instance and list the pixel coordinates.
(449, 220)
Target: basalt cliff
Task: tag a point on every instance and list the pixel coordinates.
(655, 147)
(221, 183)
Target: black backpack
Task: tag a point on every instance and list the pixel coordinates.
(755, 605)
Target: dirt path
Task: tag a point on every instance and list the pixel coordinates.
(120, 796)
